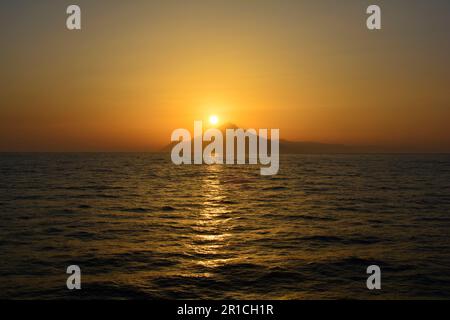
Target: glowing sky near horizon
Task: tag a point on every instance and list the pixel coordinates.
(140, 69)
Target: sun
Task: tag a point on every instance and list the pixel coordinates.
(213, 120)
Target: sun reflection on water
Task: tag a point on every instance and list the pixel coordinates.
(213, 228)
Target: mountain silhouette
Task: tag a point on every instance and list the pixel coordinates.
(296, 147)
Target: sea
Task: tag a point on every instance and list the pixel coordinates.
(140, 227)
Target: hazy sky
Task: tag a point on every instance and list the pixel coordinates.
(140, 69)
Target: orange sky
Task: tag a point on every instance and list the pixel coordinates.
(138, 71)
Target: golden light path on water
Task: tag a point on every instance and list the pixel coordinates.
(213, 228)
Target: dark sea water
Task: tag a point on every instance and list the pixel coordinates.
(140, 227)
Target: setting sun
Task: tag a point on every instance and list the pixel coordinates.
(213, 120)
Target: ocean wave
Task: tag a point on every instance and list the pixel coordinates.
(167, 208)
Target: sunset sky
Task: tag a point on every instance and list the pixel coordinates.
(140, 69)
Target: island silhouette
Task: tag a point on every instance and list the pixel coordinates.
(301, 147)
